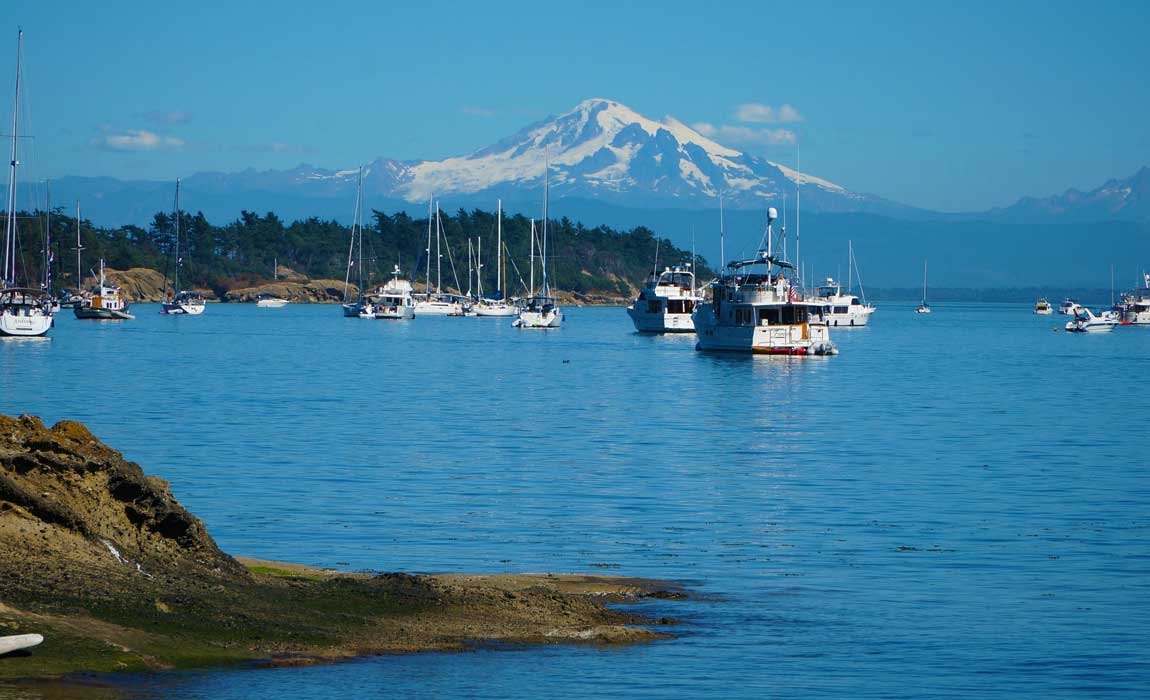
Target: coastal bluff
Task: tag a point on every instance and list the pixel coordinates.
(102, 560)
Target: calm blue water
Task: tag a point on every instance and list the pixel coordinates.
(956, 505)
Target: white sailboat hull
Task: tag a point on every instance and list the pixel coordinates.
(271, 303)
(438, 308)
(172, 308)
(496, 310)
(540, 319)
(14, 321)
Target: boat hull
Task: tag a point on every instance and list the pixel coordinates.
(171, 309)
(438, 308)
(538, 319)
(850, 319)
(90, 314)
(271, 303)
(660, 323)
(495, 311)
(24, 326)
(394, 313)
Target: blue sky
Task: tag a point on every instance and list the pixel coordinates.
(953, 106)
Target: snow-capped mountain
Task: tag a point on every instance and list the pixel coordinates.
(601, 150)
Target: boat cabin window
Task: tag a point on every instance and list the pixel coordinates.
(792, 315)
(743, 315)
(841, 309)
(680, 306)
(769, 316)
(654, 306)
(856, 302)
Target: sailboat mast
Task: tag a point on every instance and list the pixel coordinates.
(479, 267)
(850, 267)
(543, 261)
(438, 252)
(722, 235)
(79, 274)
(47, 237)
(359, 226)
(499, 250)
(798, 209)
(9, 272)
(176, 275)
(532, 257)
(427, 282)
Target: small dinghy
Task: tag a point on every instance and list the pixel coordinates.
(16, 642)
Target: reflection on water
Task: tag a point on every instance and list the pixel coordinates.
(946, 501)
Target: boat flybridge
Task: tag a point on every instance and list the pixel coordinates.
(666, 302)
(394, 300)
(106, 302)
(1042, 307)
(760, 311)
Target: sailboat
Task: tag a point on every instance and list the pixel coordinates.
(24, 311)
(181, 302)
(496, 305)
(437, 304)
(923, 308)
(363, 307)
(541, 309)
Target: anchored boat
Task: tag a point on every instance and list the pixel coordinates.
(394, 300)
(760, 311)
(667, 301)
(106, 303)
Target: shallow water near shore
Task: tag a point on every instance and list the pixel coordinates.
(956, 505)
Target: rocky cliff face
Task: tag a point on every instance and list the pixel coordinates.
(299, 292)
(140, 284)
(71, 507)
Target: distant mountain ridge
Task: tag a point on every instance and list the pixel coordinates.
(603, 159)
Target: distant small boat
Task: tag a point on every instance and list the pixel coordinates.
(924, 307)
(16, 642)
(106, 303)
(181, 302)
(269, 301)
(1042, 307)
(1068, 307)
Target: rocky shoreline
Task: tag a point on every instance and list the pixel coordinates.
(106, 564)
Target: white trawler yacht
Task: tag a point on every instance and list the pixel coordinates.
(181, 302)
(105, 304)
(496, 305)
(1068, 307)
(1134, 306)
(845, 309)
(394, 300)
(23, 311)
(761, 312)
(1042, 307)
(667, 301)
(437, 303)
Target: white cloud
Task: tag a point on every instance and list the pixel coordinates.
(745, 136)
(474, 111)
(137, 140)
(765, 114)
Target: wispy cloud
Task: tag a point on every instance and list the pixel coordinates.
(175, 116)
(475, 111)
(746, 136)
(136, 140)
(753, 113)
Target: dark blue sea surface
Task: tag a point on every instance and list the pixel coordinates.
(955, 506)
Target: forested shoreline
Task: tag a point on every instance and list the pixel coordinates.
(241, 253)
